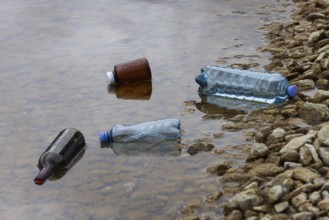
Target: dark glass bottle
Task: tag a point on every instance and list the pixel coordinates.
(130, 72)
(60, 153)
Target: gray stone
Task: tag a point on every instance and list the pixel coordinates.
(258, 150)
(282, 206)
(324, 155)
(299, 200)
(245, 200)
(288, 165)
(276, 136)
(319, 183)
(305, 156)
(323, 135)
(275, 193)
(304, 174)
(303, 216)
(297, 142)
(315, 197)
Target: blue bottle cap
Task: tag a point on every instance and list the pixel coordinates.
(292, 91)
(201, 80)
(103, 137)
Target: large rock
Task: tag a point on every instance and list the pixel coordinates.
(304, 174)
(276, 136)
(314, 112)
(323, 135)
(266, 169)
(245, 200)
(297, 142)
(258, 150)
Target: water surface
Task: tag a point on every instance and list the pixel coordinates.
(54, 56)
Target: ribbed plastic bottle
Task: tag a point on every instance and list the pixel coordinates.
(60, 154)
(271, 88)
(133, 71)
(166, 129)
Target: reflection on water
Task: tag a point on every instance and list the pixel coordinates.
(137, 91)
(154, 148)
(228, 107)
(54, 56)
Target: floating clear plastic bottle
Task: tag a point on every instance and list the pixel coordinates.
(153, 131)
(245, 84)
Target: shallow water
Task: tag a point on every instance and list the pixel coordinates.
(54, 55)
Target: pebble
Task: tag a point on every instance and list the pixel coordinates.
(305, 156)
(303, 216)
(324, 205)
(282, 206)
(314, 112)
(276, 136)
(304, 174)
(245, 200)
(275, 193)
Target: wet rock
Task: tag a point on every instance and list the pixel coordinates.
(320, 96)
(276, 136)
(234, 215)
(296, 143)
(197, 147)
(323, 135)
(240, 178)
(214, 196)
(303, 216)
(281, 207)
(245, 200)
(314, 112)
(305, 84)
(266, 169)
(219, 169)
(258, 150)
(324, 155)
(304, 174)
(305, 156)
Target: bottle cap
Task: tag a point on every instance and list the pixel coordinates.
(201, 80)
(103, 137)
(292, 91)
(110, 78)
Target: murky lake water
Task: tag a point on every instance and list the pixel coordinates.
(54, 56)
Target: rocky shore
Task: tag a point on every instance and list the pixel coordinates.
(286, 174)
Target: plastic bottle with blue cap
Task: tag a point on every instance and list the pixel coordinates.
(153, 131)
(270, 88)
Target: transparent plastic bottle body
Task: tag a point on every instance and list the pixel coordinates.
(245, 84)
(167, 129)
